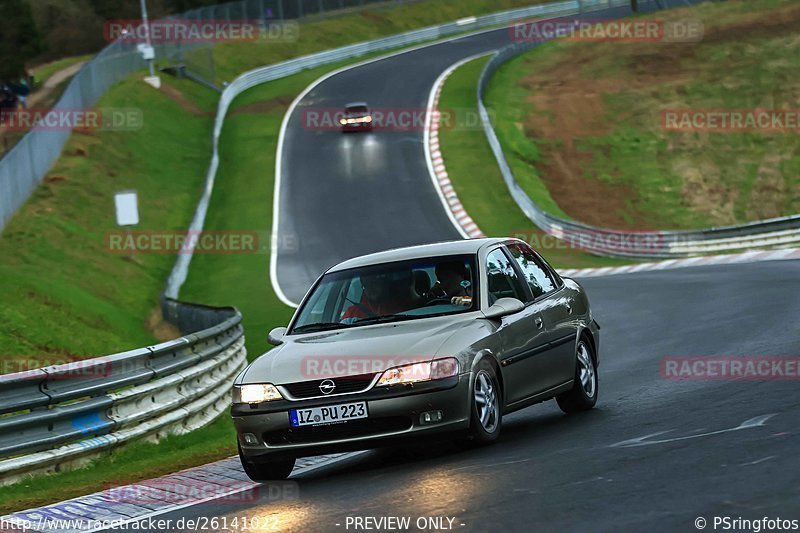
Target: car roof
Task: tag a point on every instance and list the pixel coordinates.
(356, 104)
(461, 247)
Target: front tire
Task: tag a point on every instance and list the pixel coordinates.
(486, 419)
(269, 471)
(583, 395)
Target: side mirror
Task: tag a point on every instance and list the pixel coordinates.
(275, 336)
(504, 307)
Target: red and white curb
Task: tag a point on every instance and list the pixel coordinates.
(433, 155)
(113, 508)
(728, 259)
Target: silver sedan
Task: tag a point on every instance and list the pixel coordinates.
(427, 341)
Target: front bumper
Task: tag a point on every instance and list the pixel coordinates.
(394, 415)
(356, 126)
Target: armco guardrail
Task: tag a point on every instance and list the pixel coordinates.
(258, 76)
(775, 232)
(66, 414)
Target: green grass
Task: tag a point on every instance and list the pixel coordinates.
(677, 180)
(43, 72)
(473, 170)
(316, 34)
(63, 294)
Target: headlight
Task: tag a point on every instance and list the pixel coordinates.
(367, 119)
(342, 121)
(256, 393)
(439, 369)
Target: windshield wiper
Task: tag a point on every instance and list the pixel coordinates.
(384, 318)
(319, 326)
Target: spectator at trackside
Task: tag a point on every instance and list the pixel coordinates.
(23, 90)
(8, 99)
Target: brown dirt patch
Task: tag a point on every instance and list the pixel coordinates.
(161, 329)
(568, 106)
(187, 105)
(264, 106)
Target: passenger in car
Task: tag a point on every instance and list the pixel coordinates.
(453, 282)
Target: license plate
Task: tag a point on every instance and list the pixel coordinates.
(316, 416)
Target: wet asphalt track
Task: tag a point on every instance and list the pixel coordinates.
(345, 195)
(551, 472)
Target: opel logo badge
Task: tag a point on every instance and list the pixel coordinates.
(327, 386)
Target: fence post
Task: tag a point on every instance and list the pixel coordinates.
(280, 9)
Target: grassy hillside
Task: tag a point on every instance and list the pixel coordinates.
(582, 122)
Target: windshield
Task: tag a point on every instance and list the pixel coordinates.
(357, 110)
(390, 292)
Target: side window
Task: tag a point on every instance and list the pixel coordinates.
(536, 276)
(501, 278)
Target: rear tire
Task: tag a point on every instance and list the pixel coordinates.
(583, 395)
(486, 419)
(269, 471)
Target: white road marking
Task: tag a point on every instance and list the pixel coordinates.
(643, 441)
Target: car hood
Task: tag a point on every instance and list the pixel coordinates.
(353, 351)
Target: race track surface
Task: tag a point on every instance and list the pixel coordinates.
(551, 472)
(344, 195)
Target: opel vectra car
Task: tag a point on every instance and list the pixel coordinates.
(431, 340)
(357, 117)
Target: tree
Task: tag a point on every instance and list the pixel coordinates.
(19, 38)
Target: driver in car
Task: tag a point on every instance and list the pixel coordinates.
(453, 283)
(383, 294)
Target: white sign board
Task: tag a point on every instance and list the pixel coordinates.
(127, 206)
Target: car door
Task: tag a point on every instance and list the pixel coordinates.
(522, 335)
(556, 307)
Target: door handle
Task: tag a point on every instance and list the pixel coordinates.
(569, 309)
(538, 322)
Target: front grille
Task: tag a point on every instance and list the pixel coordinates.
(309, 389)
(345, 430)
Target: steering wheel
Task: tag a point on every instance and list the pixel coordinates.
(437, 301)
